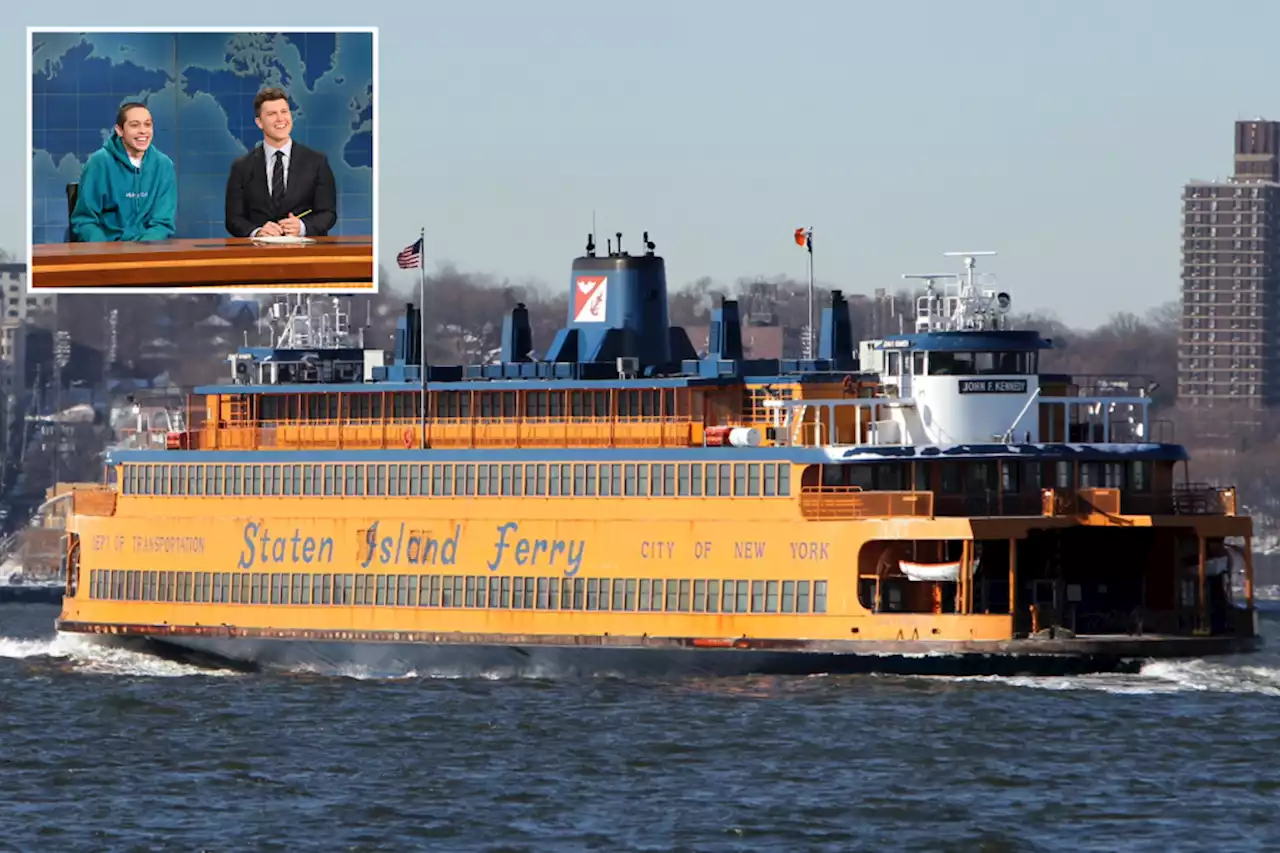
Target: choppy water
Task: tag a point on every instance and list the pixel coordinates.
(107, 750)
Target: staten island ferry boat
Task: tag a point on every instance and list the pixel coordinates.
(926, 502)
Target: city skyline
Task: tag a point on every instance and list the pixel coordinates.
(1061, 140)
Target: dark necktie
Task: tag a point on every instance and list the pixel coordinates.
(277, 182)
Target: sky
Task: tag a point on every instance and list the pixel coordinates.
(1057, 134)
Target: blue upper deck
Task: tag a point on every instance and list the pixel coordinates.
(617, 335)
(984, 341)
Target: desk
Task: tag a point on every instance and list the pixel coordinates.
(329, 264)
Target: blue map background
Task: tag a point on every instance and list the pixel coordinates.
(200, 88)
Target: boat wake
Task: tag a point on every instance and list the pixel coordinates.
(1171, 676)
(85, 655)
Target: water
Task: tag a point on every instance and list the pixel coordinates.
(107, 750)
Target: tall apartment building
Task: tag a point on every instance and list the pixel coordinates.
(1229, 347)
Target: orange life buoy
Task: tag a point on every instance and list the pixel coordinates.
(848, 385)
(408, 438)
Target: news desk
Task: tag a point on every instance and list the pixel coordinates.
(330, 263)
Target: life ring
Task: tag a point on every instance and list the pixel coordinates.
(849, 386)
(408, 438)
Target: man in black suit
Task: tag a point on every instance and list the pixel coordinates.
(281, 187)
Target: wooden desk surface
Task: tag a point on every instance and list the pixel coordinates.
(328, 264)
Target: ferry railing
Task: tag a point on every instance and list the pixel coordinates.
(453, 433)
(1195, 499)
(791, 426)
(822, 503)
(1095, 419)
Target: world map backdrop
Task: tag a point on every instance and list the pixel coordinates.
(200, 89)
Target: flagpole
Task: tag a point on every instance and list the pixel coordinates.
(422, 333)
(812, 331)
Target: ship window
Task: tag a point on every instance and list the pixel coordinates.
(894, 363)
(591, 481)
(1113, 475)
(802, 596)
(1062, 469)
(753, 479)
(739, 479)
(579, 588)
(645, 590)
(471, 591)
(446, 599)
(508, 479)
(699, 596)
(741, 602)
(788, 596)
(380, 477)
(951, 481)
(725, 472)
(757, 596)
(630, 602)
(770, 480)
(668, 480)
(593, 595)
(682, 477)
(566, 480)
(1140, 477)
(642, 480)
(696, 478)
(306, 482)
(917, 363)
(819, 596)
(771, 597)
(469, 479)
(684, 596)
(287, 488)
(295, 592)
(328, 479)
(631, 480)
(607, 486)
(579, 480)
(421, 483)
(1009, 477)
(713, 479)
(950, 363)
(713, 596)
(543, 601)
(673, 596)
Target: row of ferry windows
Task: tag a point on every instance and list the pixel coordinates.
(447, 405)
(660, 479)
(483, 591)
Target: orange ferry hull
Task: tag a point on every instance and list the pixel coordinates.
(407, 653)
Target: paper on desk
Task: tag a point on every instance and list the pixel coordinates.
(283, 238)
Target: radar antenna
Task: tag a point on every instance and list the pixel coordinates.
(964, 305)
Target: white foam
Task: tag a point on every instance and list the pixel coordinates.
(1166, 676)
(90, 655)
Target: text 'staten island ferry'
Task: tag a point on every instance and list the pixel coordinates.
(930, 503)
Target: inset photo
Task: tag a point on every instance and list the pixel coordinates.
(202, 160)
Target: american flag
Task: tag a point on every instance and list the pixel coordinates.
(411, 258)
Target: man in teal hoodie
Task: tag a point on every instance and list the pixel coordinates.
(128, 189)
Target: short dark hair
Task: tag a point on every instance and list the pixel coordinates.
(268, 94)
(123, 112)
